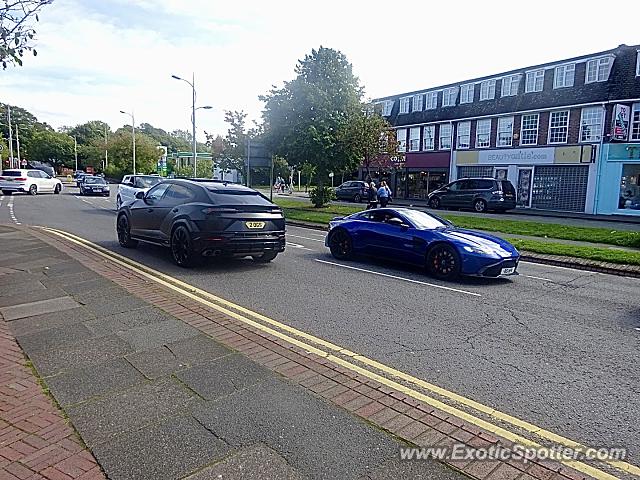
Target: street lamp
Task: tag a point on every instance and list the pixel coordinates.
(192, 83)
(133, 133)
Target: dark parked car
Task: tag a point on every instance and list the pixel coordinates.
(420, 238)
(94, 186)
(479, 194)
(354, 191)
(198, 219)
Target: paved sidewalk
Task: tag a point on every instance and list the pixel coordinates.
(160, 385)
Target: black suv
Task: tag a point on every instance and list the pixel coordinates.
(479, 194)
(355, 191)
(203, 218)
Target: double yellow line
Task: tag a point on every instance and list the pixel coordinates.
(337, 355)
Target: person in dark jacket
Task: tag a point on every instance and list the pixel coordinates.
(373, 196)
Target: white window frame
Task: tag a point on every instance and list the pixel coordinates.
(511, 80)
(565, 127)
(638, 63)
(467, 92)
(387, 107)
(567, 67)
(414, 139)
(431, 101)
(416, 103)
(488, 89)
(484, 131)
(448, 136)
(405, 105)
(600, 67)
(448, 95)
(401, 139)
(431, 135)
(463, 131)
(500, 121)
(634, 124)
(598, 135)
(536, 76)
(537, 116)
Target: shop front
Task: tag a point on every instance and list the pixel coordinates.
(618, 190)
(547, 178)
(422, 174)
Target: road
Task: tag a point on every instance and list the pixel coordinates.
(556, 347)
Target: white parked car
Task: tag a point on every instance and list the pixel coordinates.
(28, 181)
(132, 184)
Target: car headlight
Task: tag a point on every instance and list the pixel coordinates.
(482, 249)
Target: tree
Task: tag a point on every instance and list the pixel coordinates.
(53, 148)
(231, 153)
(17, 34)
(309, 118)
(372, 137)
(120, 154)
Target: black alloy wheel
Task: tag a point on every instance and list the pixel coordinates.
(341, 245)
(480, 205)
(266, 257)
(443, 262)
(357, 198)
(182, 247)
(123, 229)
(434, 202)
(57, 189)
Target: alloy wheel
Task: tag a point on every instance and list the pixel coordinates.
(479, 206)
(443, 262)
(33, 190)
(181, 247)
(340, 244)
(123, 229)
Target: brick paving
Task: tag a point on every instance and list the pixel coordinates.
(36, 441)
(417, 423)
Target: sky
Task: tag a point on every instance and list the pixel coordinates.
(97, 57)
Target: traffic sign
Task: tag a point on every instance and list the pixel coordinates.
(23, 163)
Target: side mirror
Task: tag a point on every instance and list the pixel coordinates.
(140, 195)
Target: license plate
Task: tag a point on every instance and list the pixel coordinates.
(255, 225)
(508, 271)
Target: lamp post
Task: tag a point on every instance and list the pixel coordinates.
(133, 134)
(192, 84)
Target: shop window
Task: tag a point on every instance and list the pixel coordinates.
(483, 133)
(414, 139)
(417, 103)
(466, 93)
(534, 81)
(564, 75)
(635, 122)
(431, 100)
(428, 134)
(591, 124)
(560, 187)
(558, 127)
(630, 187)
(488, 90)
(421, 184)
(529, 129)
(475, 171)
(445, 136)
(404, 104)
(464, 135)
(505, 131)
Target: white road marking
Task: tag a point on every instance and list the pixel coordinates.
(306, 238)
(12, 213)
(399, 278)
(537, 278)
(297, 245)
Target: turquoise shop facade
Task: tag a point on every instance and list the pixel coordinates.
(618, 181)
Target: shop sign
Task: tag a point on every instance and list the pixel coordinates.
(518, 156)
(620, 127)
(624, 151)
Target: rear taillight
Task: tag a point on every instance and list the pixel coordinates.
(216, 210)
(21, 179)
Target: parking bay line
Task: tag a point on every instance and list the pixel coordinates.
(202, 295)
(451, 289)
(305, 238)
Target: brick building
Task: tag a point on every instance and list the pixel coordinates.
(546, 128)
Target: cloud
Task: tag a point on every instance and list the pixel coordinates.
(99, 57)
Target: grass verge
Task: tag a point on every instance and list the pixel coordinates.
(587, 253)
(297, 210)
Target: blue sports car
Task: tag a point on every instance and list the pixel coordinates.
(419, 238)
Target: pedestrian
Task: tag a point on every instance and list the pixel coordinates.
(373, 196)
(384, 194)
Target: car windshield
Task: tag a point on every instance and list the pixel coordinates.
(238, 197)
(424, 220)
(146, 182)
(94, 180)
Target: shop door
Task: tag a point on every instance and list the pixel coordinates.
(523, 189)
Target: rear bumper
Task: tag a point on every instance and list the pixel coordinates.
(14, 188)
(504, 205)
(239, 244)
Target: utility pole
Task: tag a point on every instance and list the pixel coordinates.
(18, 145)
(10, 137)
(193, 125)
(106, 148)
(75, 151)
(248, 161)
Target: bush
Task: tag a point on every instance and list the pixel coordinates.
(320, 196)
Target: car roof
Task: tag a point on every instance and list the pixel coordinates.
(211, 184)
(477, 178)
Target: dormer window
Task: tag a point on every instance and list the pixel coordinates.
(598, 69)
(510, 85)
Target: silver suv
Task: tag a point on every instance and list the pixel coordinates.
(132, 184)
